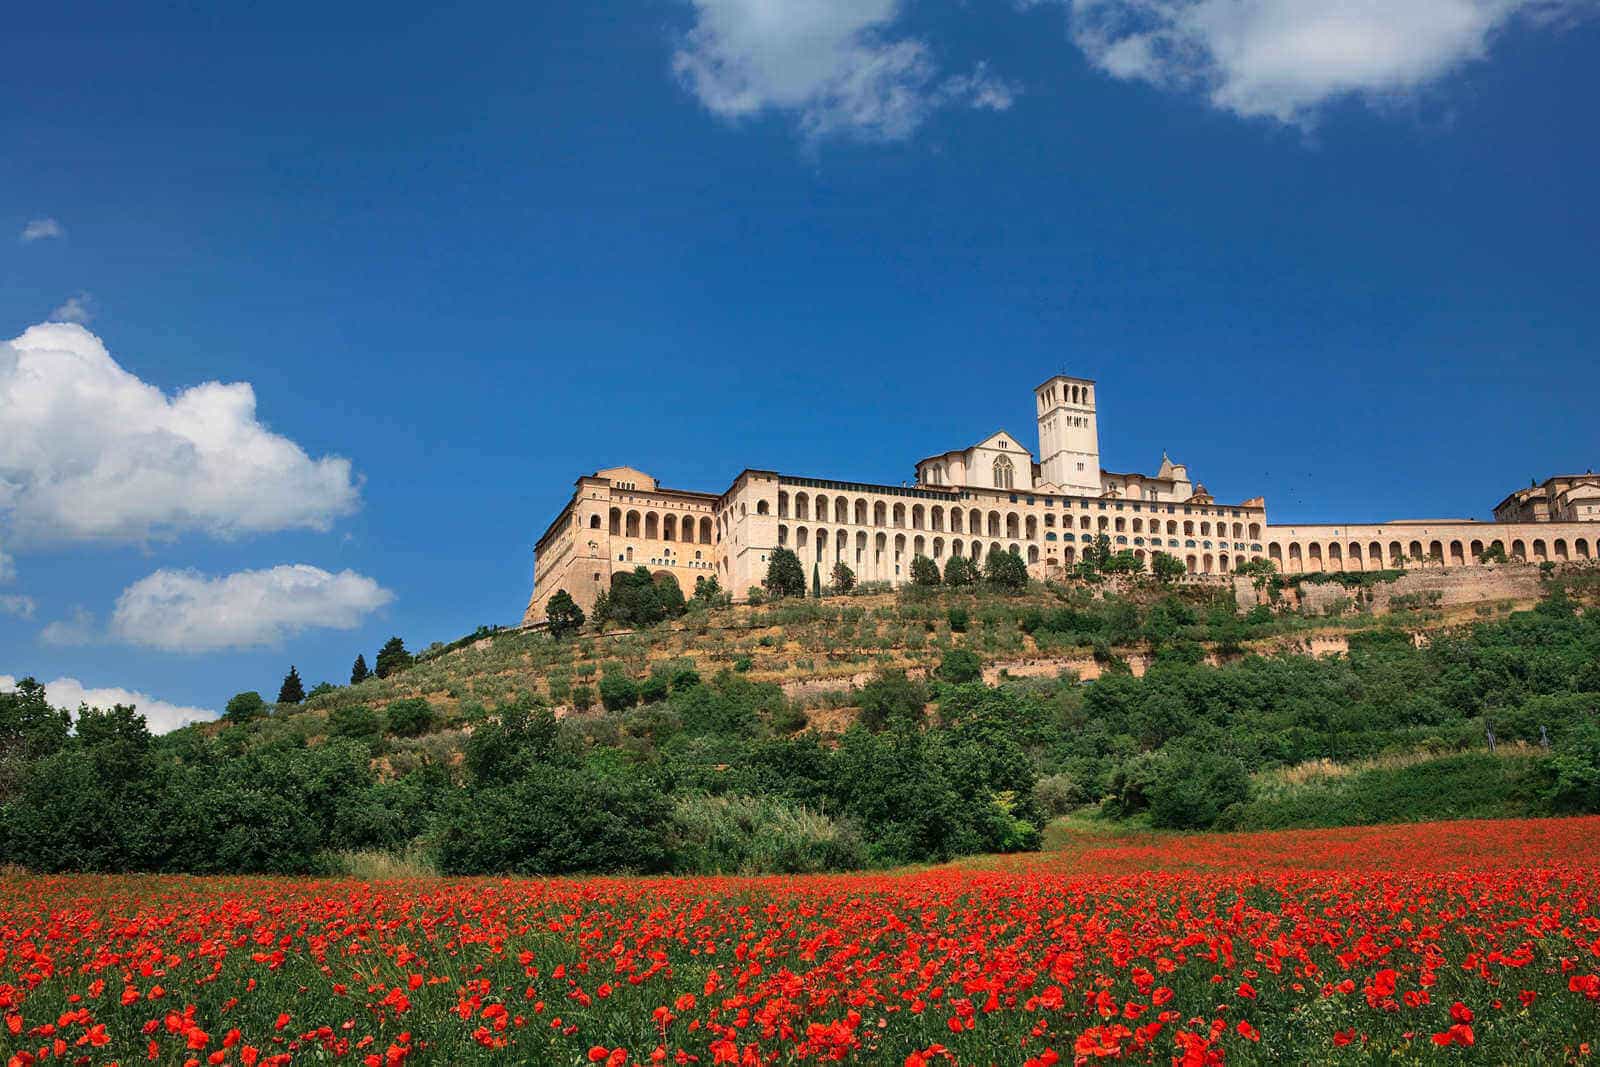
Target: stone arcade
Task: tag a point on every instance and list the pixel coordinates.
(997, 496)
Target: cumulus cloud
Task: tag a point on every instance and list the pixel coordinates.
(91, 452)
(41, 229)
(17, 605)
(1284, 59)
(77, 629)
(69, 693)
(185, 611)
(833, 65)
(76, 309)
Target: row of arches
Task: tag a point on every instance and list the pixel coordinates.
(937, 518)
(882, 557)
(652, 526)
(1313, 556)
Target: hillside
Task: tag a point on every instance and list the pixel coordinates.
(851, 731)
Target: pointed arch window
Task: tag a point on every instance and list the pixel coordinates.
(1002, 473)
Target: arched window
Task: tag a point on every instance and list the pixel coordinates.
(1002, 473)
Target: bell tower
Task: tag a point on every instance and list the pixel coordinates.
(1069, 438)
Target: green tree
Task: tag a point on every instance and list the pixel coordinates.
(1166, 567)
(244, 707)
(924, 571)
(1006, 571)
(618, 690)
(291, 691)
(670, 593)
(409, 718)
(960, 665)
(785, 576)
(355, 721)
(816, 579)
(960, 571)
(563, 614)
(30, 730)
(359, 672)
(1261, 572)
(843, 578)
(891, 698)
(393, 658)
(708, 592)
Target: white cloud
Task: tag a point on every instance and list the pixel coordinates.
(90, 452)
(832, 64)
(69, 693)
(8, 566)
(78, 629)
(40, 229)
(1284, 59)
(76, 309)
(18, 605)
(185, 611)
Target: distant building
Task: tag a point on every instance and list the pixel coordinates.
(995, 495)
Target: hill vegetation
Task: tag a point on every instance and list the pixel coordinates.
(830, 733)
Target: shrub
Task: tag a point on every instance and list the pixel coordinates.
(1191, 787)
(891, 698)
(409, 718)
(582, 697)
(959, 619)
(355, 721)
(758, 835)
(244, 707)
(1057, 794)
(960, 665)
(1006, 571)
(959, 571)
(618, 691)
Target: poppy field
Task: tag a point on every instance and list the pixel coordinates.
(1472, 941)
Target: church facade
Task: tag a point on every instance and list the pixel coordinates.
(996, 495)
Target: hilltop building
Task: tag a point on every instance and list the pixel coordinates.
(995, 495)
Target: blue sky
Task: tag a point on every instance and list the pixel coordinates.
(1341, 255)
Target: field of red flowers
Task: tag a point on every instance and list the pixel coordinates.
(1477, 941)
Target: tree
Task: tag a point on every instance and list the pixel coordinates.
(844, 579)
(960, 665)
(1096, 554)
(924, 571)
(291, 691)
(960, 571)
(816, 579)
(359, 672)
(409, 718)
(243, 707)
(1006, 571)
(1167, 567)
(891, 698)
(708, 592)
(618, 690)
(393, 658)
(670, 593)
(563, 614)
(1260, 572)
(785, 577)
(1495, 553)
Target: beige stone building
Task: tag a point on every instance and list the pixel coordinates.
(996, 495)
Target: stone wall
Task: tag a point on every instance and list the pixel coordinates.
(1455, 586)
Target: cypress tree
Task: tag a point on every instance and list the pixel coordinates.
(291, 692)
(359, 672)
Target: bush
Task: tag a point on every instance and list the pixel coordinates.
(409, 718)
(959, 619)
(355, 721)
(758, 835)
(244, 707)
(891, 698)
(618, 691)
(1056, 794)
(1006, 571)
(1192, 787)
(959, 571)
(582, 697)
(960, 665)
(559, 821)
